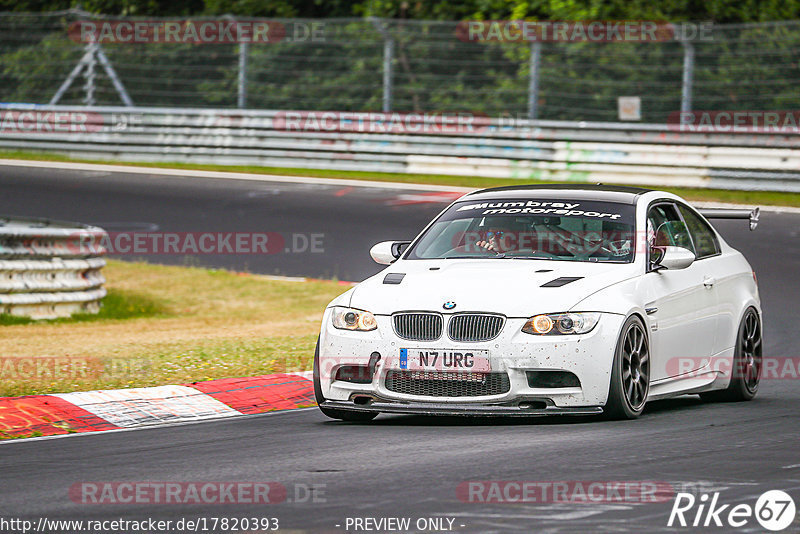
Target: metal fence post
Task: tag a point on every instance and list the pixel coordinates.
(242, 99)
(388, 56)
(688, 76)
(112, 75)
(533, 80)
(90, 74)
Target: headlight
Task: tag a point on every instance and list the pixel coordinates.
(556, 324)
(350, 319)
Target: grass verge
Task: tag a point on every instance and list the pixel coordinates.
(167, 325)
(771, 198)
(116, 305)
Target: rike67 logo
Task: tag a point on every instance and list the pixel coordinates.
(774, 510)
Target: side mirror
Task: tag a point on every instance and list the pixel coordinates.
(388, 252)
(672, 258)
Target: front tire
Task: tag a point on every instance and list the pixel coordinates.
(747, 363)
(630, 373)
(343, 415)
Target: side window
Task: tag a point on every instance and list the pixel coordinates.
(666, 228)
(705, 240)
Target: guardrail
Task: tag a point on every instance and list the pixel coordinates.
(50, 269)
(658, 155)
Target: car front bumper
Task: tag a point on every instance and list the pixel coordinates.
(588, 356)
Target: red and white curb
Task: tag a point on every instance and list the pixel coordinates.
(117, 409)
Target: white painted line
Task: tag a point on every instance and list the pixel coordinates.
(343, 182)
(793, 466)
(149, 406)
(281, 278)
(298, 279)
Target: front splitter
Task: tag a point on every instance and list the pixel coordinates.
(447, 408)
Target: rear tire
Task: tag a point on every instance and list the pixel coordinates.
(747, 363)
(630, 373)
(343, 415)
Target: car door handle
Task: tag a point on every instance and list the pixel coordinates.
(709, 281)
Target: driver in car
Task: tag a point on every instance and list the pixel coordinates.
(497, 240)
(506, 235)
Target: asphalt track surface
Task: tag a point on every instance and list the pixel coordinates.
(402, 466)
(347, 221)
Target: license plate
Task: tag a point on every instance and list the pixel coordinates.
(474, 361)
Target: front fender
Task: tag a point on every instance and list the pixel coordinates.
(623, 298)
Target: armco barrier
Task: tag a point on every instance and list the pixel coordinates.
(652, 154)
(50, 269)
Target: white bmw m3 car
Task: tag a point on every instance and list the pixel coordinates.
(546, 300)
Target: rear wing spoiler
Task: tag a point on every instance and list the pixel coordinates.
(724, 213)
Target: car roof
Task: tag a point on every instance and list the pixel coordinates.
(602, 193)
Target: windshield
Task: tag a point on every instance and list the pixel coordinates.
(567, 230)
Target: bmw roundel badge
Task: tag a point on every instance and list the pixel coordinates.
(449, 305)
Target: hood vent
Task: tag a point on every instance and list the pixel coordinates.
(394, 278)
(564, 280)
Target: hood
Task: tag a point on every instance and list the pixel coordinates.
(506, 286)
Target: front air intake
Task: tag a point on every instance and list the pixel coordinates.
(447, 384)
(356, 374)
(552, 379)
